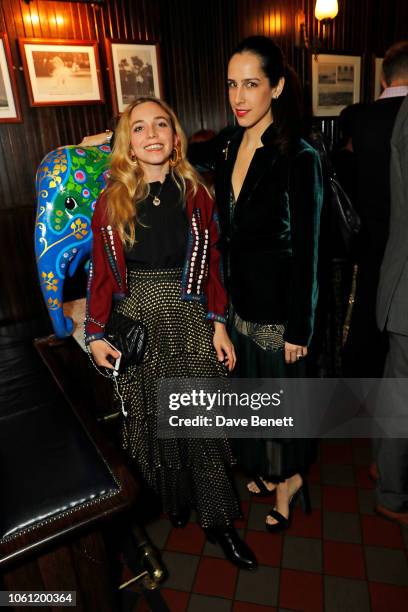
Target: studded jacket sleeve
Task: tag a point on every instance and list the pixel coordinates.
(217, 303)
(107, 273)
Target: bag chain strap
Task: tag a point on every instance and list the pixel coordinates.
(113, 378)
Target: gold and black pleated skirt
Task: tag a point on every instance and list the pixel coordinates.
(190, 473)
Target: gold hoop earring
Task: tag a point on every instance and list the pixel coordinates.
(133, 158)
(175, 157)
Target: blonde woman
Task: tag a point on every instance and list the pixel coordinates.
(155, 251)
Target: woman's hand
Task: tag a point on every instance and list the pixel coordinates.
(223, 346)
(294, 352)
(95, 139)
(101, 351)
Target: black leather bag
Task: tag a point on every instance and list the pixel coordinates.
(345, 215)
(344, 221)
(127, 336)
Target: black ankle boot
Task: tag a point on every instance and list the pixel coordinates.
(179, 519)
(235, 549)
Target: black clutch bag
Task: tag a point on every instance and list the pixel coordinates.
(128, 336)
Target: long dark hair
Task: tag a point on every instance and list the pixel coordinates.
(287, 110)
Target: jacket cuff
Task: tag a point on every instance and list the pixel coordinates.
(300, 339)
(212, 316)
(91, 337)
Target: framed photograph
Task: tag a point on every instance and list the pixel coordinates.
(9, 104)
(335, 83)
(61, 72)
(134, 70)
(377, 77)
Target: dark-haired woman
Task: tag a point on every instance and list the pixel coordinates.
(268, 189)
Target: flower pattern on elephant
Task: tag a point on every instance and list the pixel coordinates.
(80, 229)
(49, 281)
(53, 304)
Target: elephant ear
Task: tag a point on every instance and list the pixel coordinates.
(69, 181)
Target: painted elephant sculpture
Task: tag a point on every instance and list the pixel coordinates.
(68, 183)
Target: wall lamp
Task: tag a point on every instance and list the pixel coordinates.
(325, 12)
(91, 2)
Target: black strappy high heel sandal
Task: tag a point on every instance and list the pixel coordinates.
(263, 489)
(283, 522)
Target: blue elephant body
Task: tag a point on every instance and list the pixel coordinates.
(68, 183)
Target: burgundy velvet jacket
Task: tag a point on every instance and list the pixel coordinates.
(202, 278)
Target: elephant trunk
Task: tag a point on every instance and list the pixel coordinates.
(52, 284)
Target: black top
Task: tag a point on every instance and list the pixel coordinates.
(161, 241)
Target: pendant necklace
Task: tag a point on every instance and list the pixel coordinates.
(156, 199)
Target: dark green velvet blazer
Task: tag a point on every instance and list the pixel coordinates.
(271, 242)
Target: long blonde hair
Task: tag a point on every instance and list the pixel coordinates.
(127, 185)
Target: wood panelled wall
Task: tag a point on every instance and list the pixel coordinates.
(196, 39)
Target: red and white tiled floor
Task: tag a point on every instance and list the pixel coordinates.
(341, 558)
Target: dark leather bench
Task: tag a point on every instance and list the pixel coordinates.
(61, 480)
(51, 472)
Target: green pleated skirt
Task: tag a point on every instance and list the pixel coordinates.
(274, 460)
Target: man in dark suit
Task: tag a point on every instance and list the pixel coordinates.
(366, 347)
(392, 315)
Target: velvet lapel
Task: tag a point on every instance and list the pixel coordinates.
(229, 155)
(263, 160)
